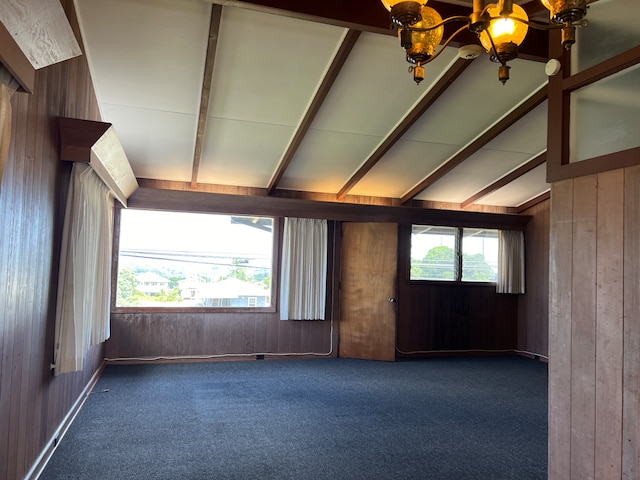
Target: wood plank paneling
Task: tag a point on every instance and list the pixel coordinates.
(631, 362)
(533, 306)
(32, 402)
(560, 293)
(439, 317)
(594, 344)
(583, 327)
(609, 326)
(186, 334)
(436, 317)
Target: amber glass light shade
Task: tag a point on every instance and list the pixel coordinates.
(566, 10)
(504, 30)
(388, 4)
(423, 43)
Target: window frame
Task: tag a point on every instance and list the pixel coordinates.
(458, 258)
(275, 268)
(559, 90)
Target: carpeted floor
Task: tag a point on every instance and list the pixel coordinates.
(436, 419)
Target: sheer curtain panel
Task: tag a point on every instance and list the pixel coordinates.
(8, 86)
(510, 262)
(84, 282)
(304, 269)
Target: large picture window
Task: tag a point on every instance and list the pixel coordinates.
(453, 254)
(194, 260)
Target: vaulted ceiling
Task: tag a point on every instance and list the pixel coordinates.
(297, 99)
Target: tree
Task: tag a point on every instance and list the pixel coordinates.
(437, 264)
(127, 285)
(476, 268)
(238, 271)
(440, 264)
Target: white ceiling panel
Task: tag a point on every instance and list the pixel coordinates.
(242, 153)
(521, 190)
(326, 160)
(146, 54)
(374, 91)
(529, 135)
(474, 174)
(268, 67)
(158, 145)
(397, 172)
(475, 101)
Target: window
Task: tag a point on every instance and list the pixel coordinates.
(194, 260)
(453, 254)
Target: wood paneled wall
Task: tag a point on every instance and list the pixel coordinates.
(594, 342)
(32, 402)
(151, 335)
(440, 317)
(444, 316)
(533, 306)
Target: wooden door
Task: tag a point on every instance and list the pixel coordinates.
(368, 290)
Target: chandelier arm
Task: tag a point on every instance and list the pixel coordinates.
(444, 45)
(533, 23)
(457, 18)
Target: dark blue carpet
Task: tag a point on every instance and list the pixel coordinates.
(440, 419)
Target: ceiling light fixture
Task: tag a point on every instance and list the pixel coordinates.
(501, 28)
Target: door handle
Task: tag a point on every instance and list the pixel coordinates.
(392, 300)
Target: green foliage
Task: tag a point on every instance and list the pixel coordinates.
(174, 281)
(476, 269)
(439, 264)
(126, 286)
(128, 294)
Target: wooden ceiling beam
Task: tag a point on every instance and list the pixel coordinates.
(525, 107)
(338, 62)
(534, 201)
(370, 16)
(214, 30)
(510, 177)
(407, 122)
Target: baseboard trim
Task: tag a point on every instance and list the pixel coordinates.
(42, 460)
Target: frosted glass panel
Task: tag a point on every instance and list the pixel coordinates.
(605, 116)
(613, 29)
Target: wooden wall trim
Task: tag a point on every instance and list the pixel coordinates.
(239, 204)
(559, 117)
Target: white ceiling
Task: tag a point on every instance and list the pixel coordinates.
(147, 59)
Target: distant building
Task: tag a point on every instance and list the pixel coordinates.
(151, 283)
(231, 292)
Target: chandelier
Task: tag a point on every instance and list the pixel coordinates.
(501, 28)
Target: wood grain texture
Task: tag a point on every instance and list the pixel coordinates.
(609, 324)
(631, 362)
(41, 29)
(368, 280)
(32, 402)
(447, 318)
(560, 294)
(594, 341)
(533, 306)
(583, 327)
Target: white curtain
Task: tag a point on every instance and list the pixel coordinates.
(510, 262)
(304, 269)
(84, 282)
(8, 86)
